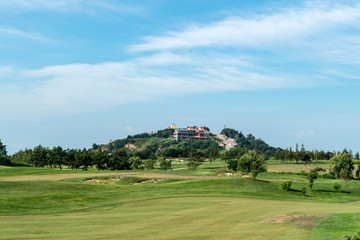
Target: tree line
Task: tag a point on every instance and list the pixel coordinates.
(57, 157)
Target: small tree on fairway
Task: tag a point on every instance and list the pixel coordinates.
(345, 175)
(337, 187)
(165, 165)
(136, 163)
(341, 161)
(251, 162)
(286, 185)
(312, 175)
(150, 163)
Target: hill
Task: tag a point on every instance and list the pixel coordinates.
(162, 143)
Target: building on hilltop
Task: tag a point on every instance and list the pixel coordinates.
(181, 134)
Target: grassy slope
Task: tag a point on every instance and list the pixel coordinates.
(225, 208)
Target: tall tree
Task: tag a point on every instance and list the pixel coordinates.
(2, 149)
(341, 161)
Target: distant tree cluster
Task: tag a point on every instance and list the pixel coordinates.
(301, 155)
(57, 157)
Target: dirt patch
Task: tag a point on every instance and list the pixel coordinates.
(307, 221)
(293, 167)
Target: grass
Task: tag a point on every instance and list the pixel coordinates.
(212, 208)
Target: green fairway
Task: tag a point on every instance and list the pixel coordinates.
(182, 204)
(177, 218)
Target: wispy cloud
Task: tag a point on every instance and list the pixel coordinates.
(257, 30)
(68, 6)
(24, 34)
(77, 88)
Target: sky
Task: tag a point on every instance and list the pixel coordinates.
(78, 72)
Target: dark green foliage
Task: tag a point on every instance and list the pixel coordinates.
(144, 153)
(40, 156)
(150, 163)
(341, 161)
(100, 159)
(119, 161)
(327, 176)
(192, 165)
(337, 187)
(166, 133)
(249, 142)
(346, 176)
(355, 237)
(164, 164)
(3, 151)
(312, 175)
(250, 162)
(303, 191)
(136, 163)
(286, 185)
(232, 164)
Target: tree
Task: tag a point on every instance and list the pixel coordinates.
(57, 157)
(100, 159)
(341, 161)
(312, 175)
(136, 163)
(165, 165)
(357, 156)
(286, 185)
(39, 156)
(150, 163)
(3, 151)
(119, 160)
(346, 176)
(251, 162)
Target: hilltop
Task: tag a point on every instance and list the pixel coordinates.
(229, 143)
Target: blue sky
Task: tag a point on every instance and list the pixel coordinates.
(78, 72)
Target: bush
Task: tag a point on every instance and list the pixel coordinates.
(232, 164)
(337, 187)
(165, 165)
(192, 165)
(327, 176)
(286, 185)
(136, 163)
(355, 237)
(319, 169)
(303, 191)
(149, 164)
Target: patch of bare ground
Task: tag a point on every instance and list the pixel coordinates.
(307, 221)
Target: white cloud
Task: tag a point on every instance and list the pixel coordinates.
(279, 28)
(68, 6)
(24, 34)
(78, 88)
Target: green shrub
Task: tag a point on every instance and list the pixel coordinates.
(337, 187)
(165, 165)
(192, 165)
(286, 185)
(327, 176)
(303, 191)
(355, 237)
(149, 164)
(319, 169)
